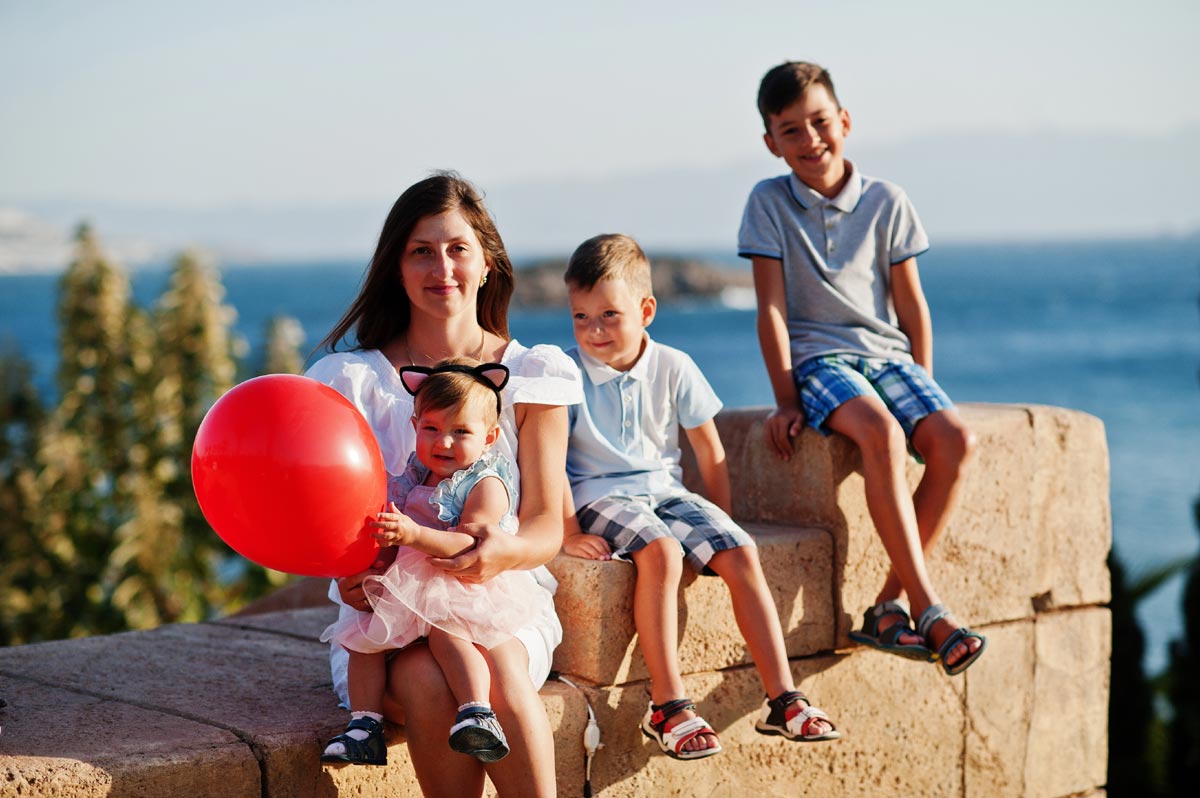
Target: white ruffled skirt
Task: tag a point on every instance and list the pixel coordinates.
(412, 596)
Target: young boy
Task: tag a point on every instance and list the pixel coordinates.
(623, 464)
(846, 337)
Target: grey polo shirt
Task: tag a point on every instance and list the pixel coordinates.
(837, 256)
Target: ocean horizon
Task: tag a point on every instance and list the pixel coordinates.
(1110, 328)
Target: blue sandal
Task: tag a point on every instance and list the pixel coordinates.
(889, 639)
(370, 751)
(932, 615)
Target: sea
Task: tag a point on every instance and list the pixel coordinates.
(1111, 328)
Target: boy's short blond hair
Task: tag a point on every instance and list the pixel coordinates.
(786, 83)
(609, 257)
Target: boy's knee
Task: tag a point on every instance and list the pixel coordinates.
(661, 555)
(950, 444)
(880, 436)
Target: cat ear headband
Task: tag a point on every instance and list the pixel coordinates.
(493, 375)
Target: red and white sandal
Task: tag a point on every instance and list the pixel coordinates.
(795, 725)
(672, 742)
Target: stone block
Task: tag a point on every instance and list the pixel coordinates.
(75, 744)
(888, 747)
(997, 556)
(1072, 516)
(595, 604)
(1070, 703)
(999, 709)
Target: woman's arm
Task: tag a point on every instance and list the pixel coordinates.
(542, 458)
(786, 421)
(912, 311)
(710, 460)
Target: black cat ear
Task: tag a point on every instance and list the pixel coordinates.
(494, 373)
(412, 377)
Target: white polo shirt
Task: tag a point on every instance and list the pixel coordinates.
(625, 435)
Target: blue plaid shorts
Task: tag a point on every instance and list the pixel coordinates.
(629, 523)
(827, 381)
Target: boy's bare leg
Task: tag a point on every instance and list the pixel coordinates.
(656, 618)
(464, 666)
(757, 619)
(367, 674)
(867, 422)
(946, 444)
(528, 770)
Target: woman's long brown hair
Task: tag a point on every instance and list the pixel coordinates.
(381, 313)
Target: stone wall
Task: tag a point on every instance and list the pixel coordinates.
(241, 706)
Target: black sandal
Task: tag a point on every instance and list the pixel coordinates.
(371, 750)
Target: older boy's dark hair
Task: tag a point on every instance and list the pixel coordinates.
(786, 83)
(609, 257)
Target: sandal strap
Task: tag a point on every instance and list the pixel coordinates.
(875, 614)
(661, 713)
(685, 731)
(781, 702)
(959, 634)
(932, 614)
(367, 724)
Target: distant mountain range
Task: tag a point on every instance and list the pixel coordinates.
(982, 186)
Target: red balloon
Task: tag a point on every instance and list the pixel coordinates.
(289, 474)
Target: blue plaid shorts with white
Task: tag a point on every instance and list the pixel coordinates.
(828, 381)
(629, 523)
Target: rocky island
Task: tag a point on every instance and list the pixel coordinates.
(675, 278)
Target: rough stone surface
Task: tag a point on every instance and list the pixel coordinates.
(241, 707)
(999, 707)
(595, 603)
(879, 754)
(58, 742)
(1070, 703)
(1071, 508)
(1025, 529)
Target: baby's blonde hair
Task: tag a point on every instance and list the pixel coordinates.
(446, 389)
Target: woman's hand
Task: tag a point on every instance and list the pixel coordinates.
(350, 587)
(495, 552)
(783, 425)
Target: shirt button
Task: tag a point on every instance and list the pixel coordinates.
(831, 246)
(829, 225)
(628, 423)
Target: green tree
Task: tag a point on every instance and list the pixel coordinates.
(284, 337)
(21, 419)
(83, 459)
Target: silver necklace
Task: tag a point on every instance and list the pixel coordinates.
(478, 353)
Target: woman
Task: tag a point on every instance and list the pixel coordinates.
(438, 286)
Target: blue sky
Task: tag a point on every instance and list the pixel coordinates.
(217, 104)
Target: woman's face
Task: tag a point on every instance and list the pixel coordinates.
(442, 266)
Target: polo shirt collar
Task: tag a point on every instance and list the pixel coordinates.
(846, 200)
(600, 373)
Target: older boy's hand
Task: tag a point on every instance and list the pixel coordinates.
(589, 547)
(781, 427)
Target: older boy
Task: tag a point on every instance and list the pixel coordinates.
(847, 341)
(623, 465)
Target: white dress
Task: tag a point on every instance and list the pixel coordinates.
(414, 596)
(542, 374)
